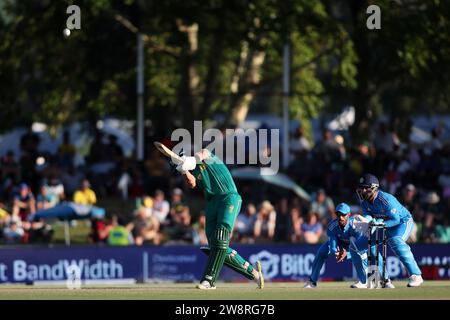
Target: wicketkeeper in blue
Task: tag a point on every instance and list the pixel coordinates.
(385, 208)
(342, 237)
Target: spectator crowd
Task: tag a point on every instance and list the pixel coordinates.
(165, 212)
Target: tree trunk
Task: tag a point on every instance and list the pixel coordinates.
(247, 76)
(362, 94)
(189, 77)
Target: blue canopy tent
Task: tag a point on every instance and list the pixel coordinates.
(68, 211)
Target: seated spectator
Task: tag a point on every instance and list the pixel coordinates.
(295, 233)
(161, 207)
(119, 235)
(245, 223)
(24, 203)
(144, 228)
(323, 206)
(264, 228)
(85, 195)
(44, 200)
(200, 237)
(146, 204)
(312, 229)
(431, 205)
(40, 232)
(177, 197)
(180, 230)
(99, 230)
(13, 232)
(443, 232)
(175, 202)
(4, 215)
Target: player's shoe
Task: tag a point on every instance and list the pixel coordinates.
(205, 285)
(260, 279)
(415, 280)
(310, 285)
(358, 285)
(388, 284)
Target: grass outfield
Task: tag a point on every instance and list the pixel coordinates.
(330, 290)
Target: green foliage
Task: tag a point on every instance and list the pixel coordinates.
(335, 59)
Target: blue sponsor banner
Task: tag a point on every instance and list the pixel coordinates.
(186, 263)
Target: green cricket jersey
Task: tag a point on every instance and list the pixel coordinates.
(213, 176)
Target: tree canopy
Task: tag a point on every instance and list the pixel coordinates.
(222, 56)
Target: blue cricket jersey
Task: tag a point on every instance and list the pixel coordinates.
(341, 237)
(386, 207)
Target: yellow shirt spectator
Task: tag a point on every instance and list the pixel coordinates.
(85, 196)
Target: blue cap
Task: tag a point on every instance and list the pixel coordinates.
(343, 208)
(23, 186)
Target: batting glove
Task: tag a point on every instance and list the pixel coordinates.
(188, 164)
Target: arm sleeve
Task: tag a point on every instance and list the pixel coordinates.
(333, 241)
(393, 218)
(333, 244)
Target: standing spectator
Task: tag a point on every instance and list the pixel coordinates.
(295, 233)
(200, 237)
(245, 223)
(66, 151)
(429, 229)
(55, 188)
(312, 229)
(24, 203)
(9, 173)
(283, 223)
(410, 202)
(71, 180)
(156, 172)
(85, 196)
(97, 151)
(323, 206)
(326, 154)
(435, 143)
(161, 207)
(299, 144)
(264, 229)
(113, 149)
(385, 140)
(119, 235)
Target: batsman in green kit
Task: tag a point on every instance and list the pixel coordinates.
(208, 172)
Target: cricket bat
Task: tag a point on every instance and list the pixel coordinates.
(176, 159)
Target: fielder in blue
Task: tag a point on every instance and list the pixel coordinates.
(342, 237)
(382, 206)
